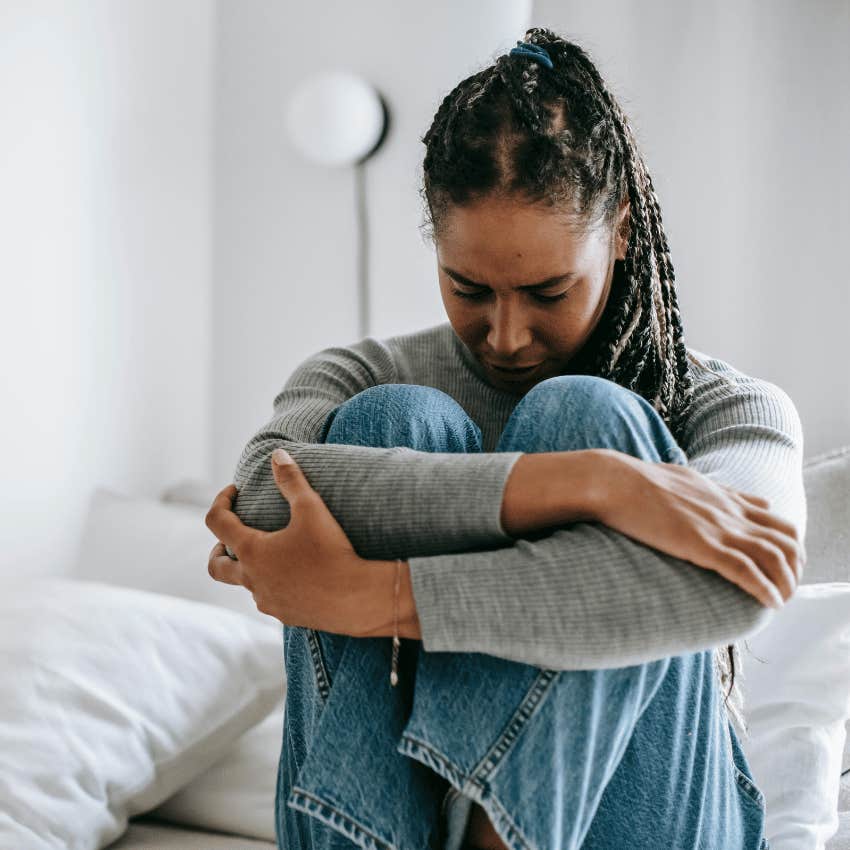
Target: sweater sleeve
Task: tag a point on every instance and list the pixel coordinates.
(389, 501)
(587, 596)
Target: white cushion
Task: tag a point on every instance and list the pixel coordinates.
(158, 546)
(237, 794)
(112, 699)
(827, 481)
(192, 491)
(796, 702)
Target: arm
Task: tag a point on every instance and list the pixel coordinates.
(389, 501)
(588, 597)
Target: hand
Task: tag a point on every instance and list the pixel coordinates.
(307, 574)
(679, 511)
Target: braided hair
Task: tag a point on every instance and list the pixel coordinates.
(558, 137)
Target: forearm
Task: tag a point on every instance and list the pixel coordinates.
(549, 489)
(391, 502)
(584, 597)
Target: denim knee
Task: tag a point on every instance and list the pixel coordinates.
(388, 415)
(573, 412)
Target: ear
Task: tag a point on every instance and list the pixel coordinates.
(622, 231)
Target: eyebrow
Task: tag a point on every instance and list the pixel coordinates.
(561, 278)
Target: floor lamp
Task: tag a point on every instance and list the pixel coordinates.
(338, 119)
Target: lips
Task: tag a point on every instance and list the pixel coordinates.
(514, 370)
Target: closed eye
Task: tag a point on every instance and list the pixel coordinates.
(543, 299)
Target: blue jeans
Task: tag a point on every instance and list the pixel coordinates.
(638, 757)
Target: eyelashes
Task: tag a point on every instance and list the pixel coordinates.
(543, 299)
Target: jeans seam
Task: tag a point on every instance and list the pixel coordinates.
(322, 678)
(278, 833)
(478, 782)
(471, 786)
(753, 792)
(524, 711)
(303, 801)
(438, 761)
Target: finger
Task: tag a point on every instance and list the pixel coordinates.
(222, 521)
(220, 550)
(739, 568)
(792, 549)
(772, 561)
(759, 501)
(782, 533)
(772, 520)
(291, 481)
(747, 498)
(223, 568)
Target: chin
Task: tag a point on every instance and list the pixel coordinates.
(517, 388)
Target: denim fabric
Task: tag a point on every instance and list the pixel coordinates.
(639, 757)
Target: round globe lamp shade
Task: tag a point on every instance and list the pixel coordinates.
(336, 118)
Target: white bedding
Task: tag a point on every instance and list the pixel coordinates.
(146, 833)
(113, 699)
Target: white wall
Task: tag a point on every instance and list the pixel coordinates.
(105, 169)
(285, 240)
(744, 118)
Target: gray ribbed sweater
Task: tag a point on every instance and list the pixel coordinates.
(584, 596)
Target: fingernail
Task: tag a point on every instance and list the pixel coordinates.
(281, 457)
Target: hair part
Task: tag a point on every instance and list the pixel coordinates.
(558, 137)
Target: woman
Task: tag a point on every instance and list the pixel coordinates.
(527, 494)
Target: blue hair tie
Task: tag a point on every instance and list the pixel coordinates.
(532, 51)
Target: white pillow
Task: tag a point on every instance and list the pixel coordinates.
(192, 491)
(112, 699)
(237, 794)
(796, 704)
(157, 546)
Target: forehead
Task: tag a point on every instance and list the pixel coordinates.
(495, 239)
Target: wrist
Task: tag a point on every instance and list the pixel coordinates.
(548, 489)
(376, 617)
(603, 469)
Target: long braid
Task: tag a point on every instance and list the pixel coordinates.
(559, 136)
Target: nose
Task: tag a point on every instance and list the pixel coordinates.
(509, 331)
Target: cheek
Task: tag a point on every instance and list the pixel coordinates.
(584, 311)
(464, 321)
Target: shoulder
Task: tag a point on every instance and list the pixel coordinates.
(711, 370)
(745, 432)
(725, 396)
(376, 360)
(714, 376)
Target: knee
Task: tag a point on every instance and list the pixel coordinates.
(572, 412)
(586, 399)
(411, 415)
